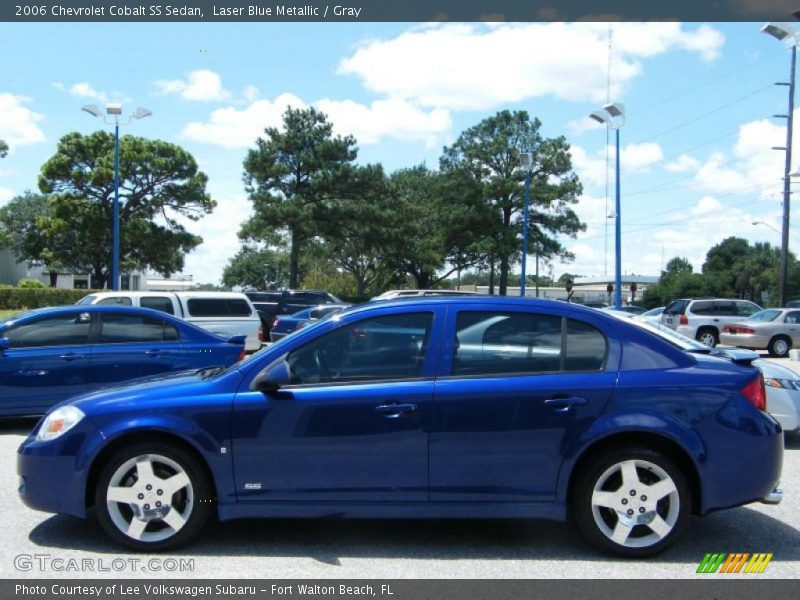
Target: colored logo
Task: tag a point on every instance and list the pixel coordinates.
(737, 562)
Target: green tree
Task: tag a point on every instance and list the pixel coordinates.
(440, 224)
(288, 176)
(678, 280)
(490, 152)
(3, 149)
(24, 231)
(159, 183)
(259, 269)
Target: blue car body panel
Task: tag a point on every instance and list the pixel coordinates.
(473, 446)
(32, 379)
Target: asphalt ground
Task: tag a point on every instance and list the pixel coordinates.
(41, 545)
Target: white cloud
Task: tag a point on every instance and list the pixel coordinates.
(18, 124)
(85, 90)
(682, 164)
(201, 85)
(232, 128)
(479, 67)
(584, 125)
(591, 168)
(387, 118)
(251, 93)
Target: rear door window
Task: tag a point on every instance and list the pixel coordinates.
(118, 328)
(703, 308)
(159, 303)
(725, 308)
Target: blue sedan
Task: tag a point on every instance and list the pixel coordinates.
(50, 354)
(441, 407)
(283, 326)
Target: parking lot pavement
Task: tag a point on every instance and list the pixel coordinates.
(394, 549)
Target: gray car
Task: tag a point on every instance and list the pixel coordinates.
(775, 329)
(702, 319)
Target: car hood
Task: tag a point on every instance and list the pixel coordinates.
(153, 389)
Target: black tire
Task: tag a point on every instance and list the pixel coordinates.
(708, 336)
(779, 346)
(196, 500)
(583, 514)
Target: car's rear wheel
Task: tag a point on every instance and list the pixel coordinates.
(779, 346)
(153, 496)
(707, 336)
(631, 501)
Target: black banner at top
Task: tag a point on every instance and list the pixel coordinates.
(395, 10)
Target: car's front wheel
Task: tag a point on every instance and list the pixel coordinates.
(632, 501)
(153, 496)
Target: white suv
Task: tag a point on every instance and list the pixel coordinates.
(703, 318)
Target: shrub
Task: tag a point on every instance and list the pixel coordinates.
(29, 283)
(26, 298)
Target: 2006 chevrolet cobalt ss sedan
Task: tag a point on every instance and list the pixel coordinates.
(445, 407)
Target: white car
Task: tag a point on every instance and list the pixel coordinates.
(782, 384)
(224, 313)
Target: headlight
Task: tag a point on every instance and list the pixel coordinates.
(59, 422)
(786, 384)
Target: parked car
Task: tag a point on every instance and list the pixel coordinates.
(628, 308)
(50, 354)
(703, 318)
(397, 294)
(284, 326)
(271, 305)
(782, 384)
(380, 411)
(654, 314)
(224, 313)
(773, 329)
(793, 304)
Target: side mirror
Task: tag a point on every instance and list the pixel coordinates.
(5, 344)
(276, 376)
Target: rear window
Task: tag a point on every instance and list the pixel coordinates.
(158, 303)
(677, 307)
(116, 301)
(218, 307)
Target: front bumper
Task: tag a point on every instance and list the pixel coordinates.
(774, 497)
(53, 474)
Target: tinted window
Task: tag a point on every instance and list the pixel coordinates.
(86, 299)
(725, 308)
(157, 303)
(745, 309)
(390, 347)
(62, 330)
(116, 301)
(122, 329)
(490, 343)
(702, 308)
(677, 307)
(218, 307)
(586, 347)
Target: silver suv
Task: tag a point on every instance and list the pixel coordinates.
(703, 318)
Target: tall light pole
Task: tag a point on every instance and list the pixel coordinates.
(114, 111)
(613, 115)
(526, 161)
(785, 32)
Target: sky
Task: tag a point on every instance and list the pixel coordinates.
(696, 162)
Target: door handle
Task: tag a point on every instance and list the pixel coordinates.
(392, 411)
(562, 405)
(71, 356)
(32, 373)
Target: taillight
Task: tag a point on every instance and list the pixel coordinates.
(684, 320)
(755, 393)
(727, 329)
(241, 355)
(741, 329)
(260, 335)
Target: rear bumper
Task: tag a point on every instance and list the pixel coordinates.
(744, 340)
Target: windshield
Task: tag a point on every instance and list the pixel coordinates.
(86, 299)
(764, 316)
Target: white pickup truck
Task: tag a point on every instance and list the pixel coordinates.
(224, 313)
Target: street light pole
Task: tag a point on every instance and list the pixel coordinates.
(527, 163)
(613, 115)
(114, 111)
(785, 32)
